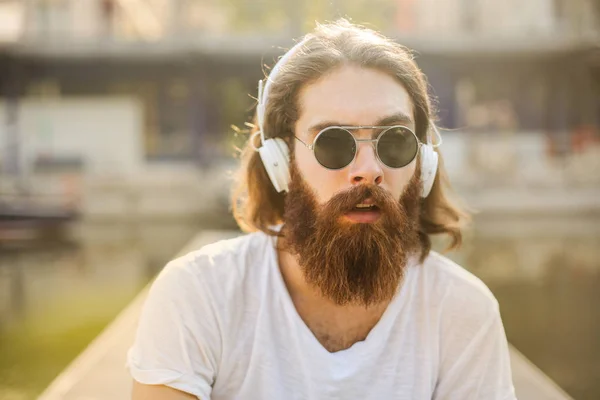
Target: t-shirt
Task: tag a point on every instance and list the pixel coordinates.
(220, 324)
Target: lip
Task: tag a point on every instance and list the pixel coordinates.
(363, 217)
(368, 201)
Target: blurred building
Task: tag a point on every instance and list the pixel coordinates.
(499, 68)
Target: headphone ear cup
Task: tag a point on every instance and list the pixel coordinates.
(275, 156)
(429, 164)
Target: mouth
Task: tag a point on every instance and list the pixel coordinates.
(365, 213)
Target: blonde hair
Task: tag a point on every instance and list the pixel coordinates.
(258, 206)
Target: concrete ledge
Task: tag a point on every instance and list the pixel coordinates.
(99, 372)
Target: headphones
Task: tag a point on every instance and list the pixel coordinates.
(274, 152)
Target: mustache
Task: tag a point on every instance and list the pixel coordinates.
(345, 201)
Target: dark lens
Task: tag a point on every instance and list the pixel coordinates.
(335, 148)
(397, 147)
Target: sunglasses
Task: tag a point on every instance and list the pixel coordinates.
(335, 147)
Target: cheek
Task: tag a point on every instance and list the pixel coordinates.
(304, 160)
(323, 182)
(398, 179)
(311, 171)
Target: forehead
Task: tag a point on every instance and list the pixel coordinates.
(352, 95)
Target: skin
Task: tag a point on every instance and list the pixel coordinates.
(349, 95)
(158, 392)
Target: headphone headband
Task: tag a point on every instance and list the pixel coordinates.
(439, 139)
(265, 87)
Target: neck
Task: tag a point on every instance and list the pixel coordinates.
(335, 327)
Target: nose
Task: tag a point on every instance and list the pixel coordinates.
(366, 168)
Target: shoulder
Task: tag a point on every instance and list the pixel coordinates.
(219, 262)
(472, 353)
(443, 271)
(216, 273)
(459, 295)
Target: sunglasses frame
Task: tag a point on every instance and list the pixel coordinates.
(349, 129)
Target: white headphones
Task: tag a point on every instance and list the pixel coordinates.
(274, 152)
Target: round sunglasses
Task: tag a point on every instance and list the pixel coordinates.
(335, 147)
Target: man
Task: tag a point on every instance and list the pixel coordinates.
(336, 295)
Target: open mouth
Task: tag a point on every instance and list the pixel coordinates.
(365, 207)
(364, 213)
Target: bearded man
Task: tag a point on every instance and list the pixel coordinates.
(336, 293)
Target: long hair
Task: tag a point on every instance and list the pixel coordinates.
(258, 206)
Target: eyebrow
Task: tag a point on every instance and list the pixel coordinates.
(396, 118)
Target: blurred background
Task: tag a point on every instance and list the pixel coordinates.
(116, 147)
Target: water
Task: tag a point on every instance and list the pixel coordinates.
(544, 272)
(55, 299)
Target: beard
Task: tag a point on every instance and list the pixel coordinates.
(352, 263)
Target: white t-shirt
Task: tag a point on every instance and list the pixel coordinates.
(220, 324)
